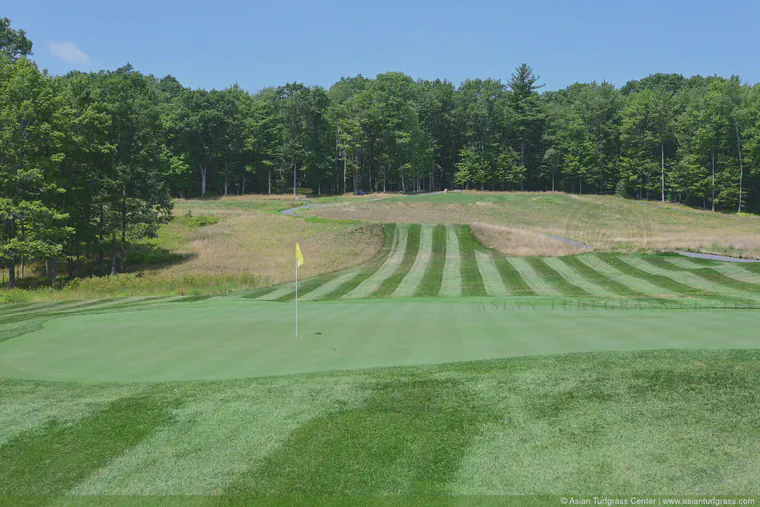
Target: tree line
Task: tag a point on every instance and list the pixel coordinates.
(91, 161)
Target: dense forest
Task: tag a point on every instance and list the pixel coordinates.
(90, 161)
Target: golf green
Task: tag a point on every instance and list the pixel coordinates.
(229, 337)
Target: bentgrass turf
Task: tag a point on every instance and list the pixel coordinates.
(554, 279)
(672, 286)
(370, 269)
(683, 421)
(708, 274)
(410, 254)
(472, 280)
(431, 281)
(233, 337)
(511, 277)
(599, 279)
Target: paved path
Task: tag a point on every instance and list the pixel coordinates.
(715, 257)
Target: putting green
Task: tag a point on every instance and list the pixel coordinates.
(229, 337)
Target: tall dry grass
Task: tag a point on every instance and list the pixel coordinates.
(521, 242)
(604, 222)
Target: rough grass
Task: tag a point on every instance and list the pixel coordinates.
(553, 425)
(521, 242)
(604, 222)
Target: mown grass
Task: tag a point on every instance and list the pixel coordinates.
(554, 279)
(431, 281)
(708, 274)
(511, 277)
(599, 279)
(368, 270)
(524, 426)
(472, 280)
(670, 285)
(410, 254)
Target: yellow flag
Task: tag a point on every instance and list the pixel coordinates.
(299, 255)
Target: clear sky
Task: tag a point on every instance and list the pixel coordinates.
(214, 44)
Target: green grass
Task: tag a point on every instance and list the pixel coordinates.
(431, 281)
(599, 279)
(369, 270)
(668, 284)
(708, 274)
(410, 253)
(547, 425)
(511, 277)
(472, 281)
(554, 279)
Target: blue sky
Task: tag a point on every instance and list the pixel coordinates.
(258, 44)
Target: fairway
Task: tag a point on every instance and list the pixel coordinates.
(236, 338)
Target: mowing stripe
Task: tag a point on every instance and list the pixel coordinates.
(711, 275)
(612, 273)
(451, 284)
(660, 267)
(633, 268)
(309, 285)
(568, 273)
(411, 281)
(595, 277)
(491, 277)
(280, 291)
(257, 293)
(529, 275)
(511, 278)
(555, 279)
(391, 283)
(330, 285)
(390, 233)
(431, 282)
(371, 283)
(472, 280)
(732, 270)
(693, 263)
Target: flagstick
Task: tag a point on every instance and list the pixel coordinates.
(296, 297)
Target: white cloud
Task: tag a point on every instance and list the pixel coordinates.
(68, 52)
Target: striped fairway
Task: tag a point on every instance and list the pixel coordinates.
(686, 278)
(491, 279)
(527, 273)
(372, 283)
(634, 283)
(329, 286)
(451, 285)
(428, 260)
(568, 273)
(412, 280)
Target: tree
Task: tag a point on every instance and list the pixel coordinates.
(13, 43)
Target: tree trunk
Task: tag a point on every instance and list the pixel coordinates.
(269, 181)
(123, 234)
(53, 270)
(203, 181)
(100, 249)
(12, 273)
(113, 255)
(242, 186)
(713, 179)
(741, 167)
(522, 153)
(345, 162)
(225, 185)
(662, 153)
(294, 179)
